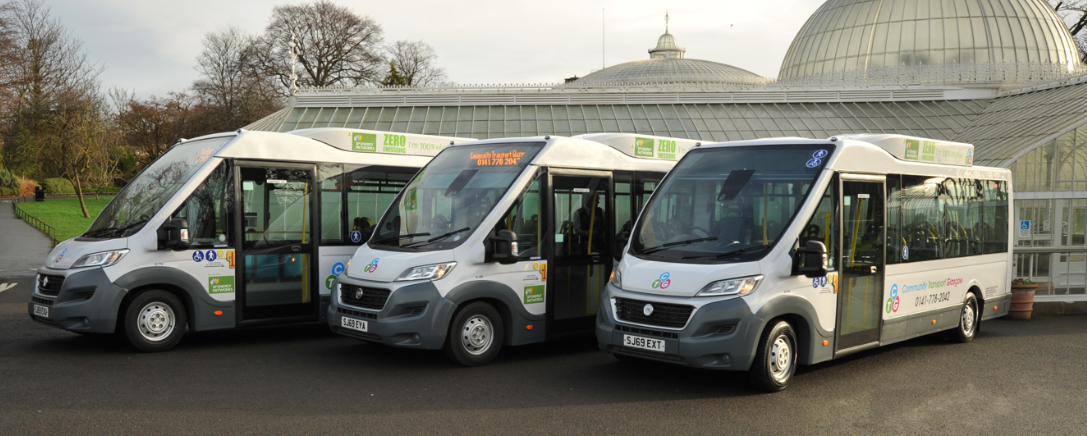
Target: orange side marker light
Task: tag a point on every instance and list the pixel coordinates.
(825, 343)
(994, 307)
(528, 327)
(933, 322)
(218, 312)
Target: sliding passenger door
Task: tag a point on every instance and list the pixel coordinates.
(580, 255)
(863, 242)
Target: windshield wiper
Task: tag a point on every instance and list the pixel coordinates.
(409, 235)
(742, 250)
(651, 250)
(436, 238)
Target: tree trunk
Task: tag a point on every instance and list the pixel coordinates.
(79, 193)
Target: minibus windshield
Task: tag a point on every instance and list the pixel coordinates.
(152, 188)
(728, 204)
(452, 195)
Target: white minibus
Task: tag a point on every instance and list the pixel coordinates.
(500, 242)
(288, 209)
(761, 255)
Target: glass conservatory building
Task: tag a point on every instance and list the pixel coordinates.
(1003, 75)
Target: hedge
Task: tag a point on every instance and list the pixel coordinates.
(58, 186)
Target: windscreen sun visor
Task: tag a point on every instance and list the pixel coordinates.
(460, 182)
(735, 183)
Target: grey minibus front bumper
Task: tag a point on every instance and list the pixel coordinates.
(413, 316)
(87, 301)
(715, 336)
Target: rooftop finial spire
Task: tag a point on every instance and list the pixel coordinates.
(666, 21)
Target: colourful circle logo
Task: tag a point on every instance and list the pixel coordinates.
(663, 282)
(893, 302)
(373, 265)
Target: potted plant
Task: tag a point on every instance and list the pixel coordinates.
(1022, 298)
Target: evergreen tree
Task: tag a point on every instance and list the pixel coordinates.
(394, 78)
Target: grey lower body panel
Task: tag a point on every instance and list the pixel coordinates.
(87, 302)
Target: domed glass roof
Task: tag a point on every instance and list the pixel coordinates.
(845, 35)
(668, 65)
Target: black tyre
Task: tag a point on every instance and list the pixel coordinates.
(155, 320)
(475, 335)
(775, 359)
(969, 319)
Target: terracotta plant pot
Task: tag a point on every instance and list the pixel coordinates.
(1022, 301)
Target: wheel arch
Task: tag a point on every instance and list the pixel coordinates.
(505, 300)
(800, 313)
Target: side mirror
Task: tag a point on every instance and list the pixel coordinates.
(174, 235)
(503, 247)
(811, 261)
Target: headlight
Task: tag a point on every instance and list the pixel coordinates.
(427, 272)
(741, 286)
(617, 278)
(105, 258)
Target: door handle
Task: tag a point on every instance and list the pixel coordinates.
(596, 259)
(874, 270)
(298, 248)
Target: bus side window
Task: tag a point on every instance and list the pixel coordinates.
(209, 209)
(369, 191)
(823, 225)
(523, 218)
(332, 228)
(922, 214)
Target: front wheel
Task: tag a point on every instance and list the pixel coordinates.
(775, 359)
(968, 321)
(475, 336)
(155, 321)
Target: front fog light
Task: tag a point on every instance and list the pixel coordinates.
(740, 286)
(427, 272)
(103, 259)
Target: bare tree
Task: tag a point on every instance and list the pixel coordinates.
(1074, 14)
(48, 63)
(153, 125)
(334, 46)
(415, 61)
(235, 95)
(78, 148)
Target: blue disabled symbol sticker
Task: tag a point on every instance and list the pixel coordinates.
(210, 255)
(813, 162)
(819, 154)
(338, 268)
(356, 236)
(198, 256)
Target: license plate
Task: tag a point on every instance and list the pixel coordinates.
(643, 343)
(42, 311)
(353, 324)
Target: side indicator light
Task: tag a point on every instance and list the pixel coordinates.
(933, 322)
(994, 307)
(825, 343)
(218, 313)
(528, 327)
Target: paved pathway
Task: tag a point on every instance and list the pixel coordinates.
(22, 247)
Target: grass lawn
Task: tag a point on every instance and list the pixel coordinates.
(64, 214)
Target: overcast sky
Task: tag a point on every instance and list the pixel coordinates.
(150, 45)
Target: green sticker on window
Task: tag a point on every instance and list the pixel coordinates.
(643, 147)
(221, 285)
(363, 142)
(534, 294)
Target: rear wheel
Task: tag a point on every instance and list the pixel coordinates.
(968, 321)
(475, 336)
(155, 320)
(775, 359)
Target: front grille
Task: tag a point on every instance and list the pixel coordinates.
(50, 284)
(42, 301)
(664, 314)
(343, 311)
(647, 332)
(648, 354)
(372, 298)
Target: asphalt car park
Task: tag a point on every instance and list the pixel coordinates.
(1015, 377)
